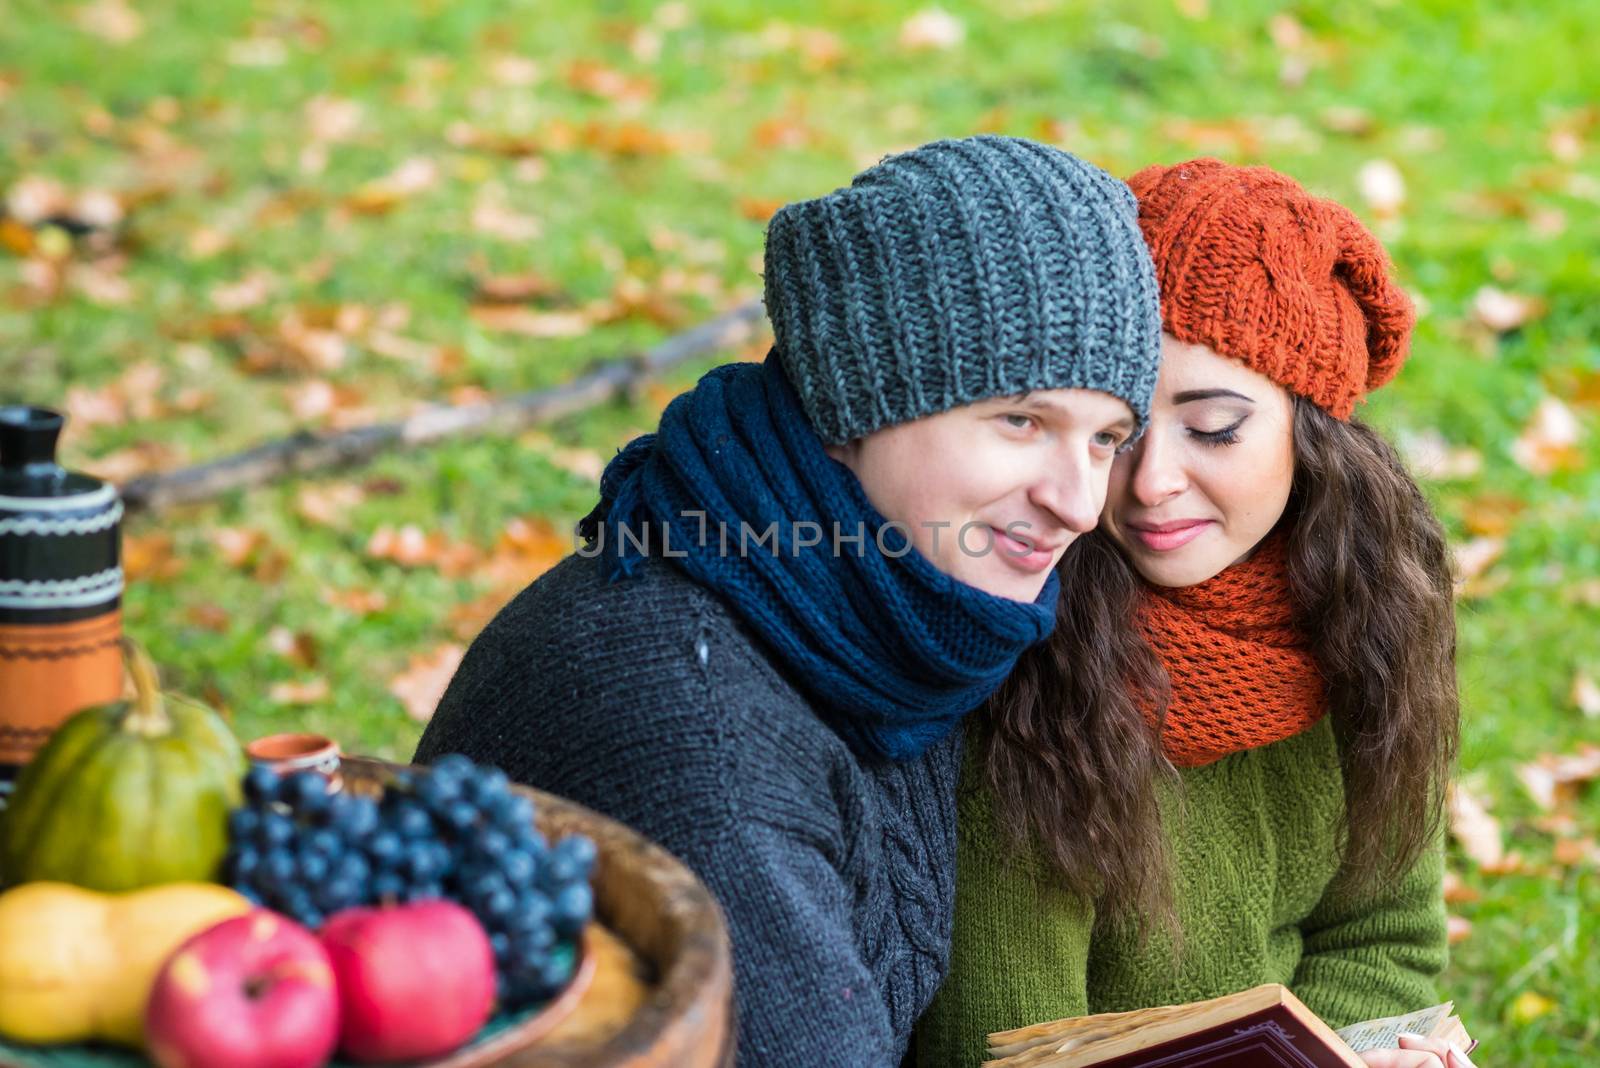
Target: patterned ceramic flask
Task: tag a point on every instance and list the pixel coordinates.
(60, 587)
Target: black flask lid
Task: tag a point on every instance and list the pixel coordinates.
(28, 466)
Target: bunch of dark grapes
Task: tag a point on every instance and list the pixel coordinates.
(296, 848)
(455, 831)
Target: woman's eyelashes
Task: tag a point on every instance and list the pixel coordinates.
(1227, 435)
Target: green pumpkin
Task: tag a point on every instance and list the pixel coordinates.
(126, 795)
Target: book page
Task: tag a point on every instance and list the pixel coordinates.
(1455, 1033)
(1385, 1033)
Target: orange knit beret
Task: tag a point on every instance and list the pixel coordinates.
(1253, 266)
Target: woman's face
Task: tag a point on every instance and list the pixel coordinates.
(1211, 476)
(993, 493)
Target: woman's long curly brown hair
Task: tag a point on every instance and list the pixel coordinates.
(1072, 762)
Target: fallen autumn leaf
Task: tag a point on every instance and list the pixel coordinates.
(1475, 829)
(420, 686)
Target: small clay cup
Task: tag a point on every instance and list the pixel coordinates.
(289, 753)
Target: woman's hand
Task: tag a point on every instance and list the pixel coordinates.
(1417, 1052)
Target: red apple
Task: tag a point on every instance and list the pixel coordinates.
(414, 980)
(255, 991)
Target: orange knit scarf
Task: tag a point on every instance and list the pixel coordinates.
(1242, 673)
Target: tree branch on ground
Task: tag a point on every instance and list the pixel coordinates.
(307, 452)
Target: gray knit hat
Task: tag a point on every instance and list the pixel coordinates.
(959, 271)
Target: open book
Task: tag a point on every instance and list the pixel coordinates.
(1263, 1026)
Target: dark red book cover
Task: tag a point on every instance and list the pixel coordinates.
(1271, 1038)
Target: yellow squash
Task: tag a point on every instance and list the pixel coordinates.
(77, 965)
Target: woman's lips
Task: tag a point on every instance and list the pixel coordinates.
(1020, 555)
(1170, 536)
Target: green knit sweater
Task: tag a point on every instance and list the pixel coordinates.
(1253, 842)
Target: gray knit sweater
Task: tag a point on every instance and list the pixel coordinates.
(648, 701)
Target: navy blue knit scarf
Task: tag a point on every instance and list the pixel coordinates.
(893, 648)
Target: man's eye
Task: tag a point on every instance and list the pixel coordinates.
(1108, 439)
(1017, 421)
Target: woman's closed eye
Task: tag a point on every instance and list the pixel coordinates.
(1226, 435)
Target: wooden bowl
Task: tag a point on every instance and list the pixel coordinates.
(518, 1037)
(658, 926)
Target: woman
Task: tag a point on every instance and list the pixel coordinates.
(1226, 767)
(795, 590)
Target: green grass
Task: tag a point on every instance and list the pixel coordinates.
(1462, 97)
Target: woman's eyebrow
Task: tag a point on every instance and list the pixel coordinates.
(1190, 395)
